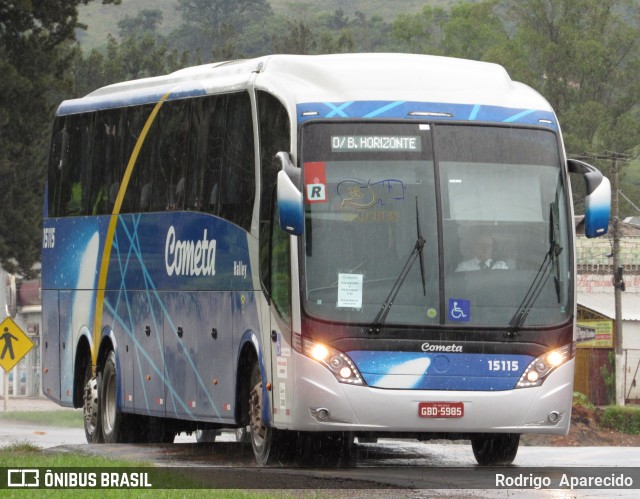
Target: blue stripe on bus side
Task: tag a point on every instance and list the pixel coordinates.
(125, 99)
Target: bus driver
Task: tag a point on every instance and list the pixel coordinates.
(482, 256)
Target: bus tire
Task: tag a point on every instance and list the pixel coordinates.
(90, 409)
(269, 444)
(111, 419)
(495, 450)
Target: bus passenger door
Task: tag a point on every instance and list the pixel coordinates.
(280, 319)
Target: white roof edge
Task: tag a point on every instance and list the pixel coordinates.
(339, 78)
(391, 76)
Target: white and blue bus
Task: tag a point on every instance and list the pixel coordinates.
(290, 245)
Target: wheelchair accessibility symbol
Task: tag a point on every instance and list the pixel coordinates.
(459, 310)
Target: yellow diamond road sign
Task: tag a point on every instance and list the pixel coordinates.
(14, 344)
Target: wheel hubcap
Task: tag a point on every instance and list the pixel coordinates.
(110, 404)
(90, 407)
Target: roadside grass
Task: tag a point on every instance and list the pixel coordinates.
(582, 400)
(621, 419)
(60, 419)
(612, 417)
(29, 456)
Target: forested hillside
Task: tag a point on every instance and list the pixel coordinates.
(102, 20)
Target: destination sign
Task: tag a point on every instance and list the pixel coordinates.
(365, 143)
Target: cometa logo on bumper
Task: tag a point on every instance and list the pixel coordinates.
(427, 347)
(189, 258)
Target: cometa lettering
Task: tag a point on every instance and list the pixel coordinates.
(427, 347)
(189, 258)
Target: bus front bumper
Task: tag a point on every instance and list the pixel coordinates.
(321, 403)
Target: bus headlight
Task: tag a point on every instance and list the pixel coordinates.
(337, 362)
(537, 371)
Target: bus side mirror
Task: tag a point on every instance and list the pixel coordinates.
(290, 207)
(597, 203)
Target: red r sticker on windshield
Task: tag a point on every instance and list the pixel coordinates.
(315, 180)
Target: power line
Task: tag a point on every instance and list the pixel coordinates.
(628, 200)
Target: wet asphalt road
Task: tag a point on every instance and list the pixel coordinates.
(384, 469)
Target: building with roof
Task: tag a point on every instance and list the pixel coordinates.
(21, 300)
(596, 315)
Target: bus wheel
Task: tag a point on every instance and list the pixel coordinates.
(92, 427)
(111, 419)
(496, 450)
(269, 445)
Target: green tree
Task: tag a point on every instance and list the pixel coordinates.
(584, 57)
(421, 33)
(473, 30)
(139, 52)
(372, 34)
(342, 42)
(217, 25)
(147, 21)
(296, 38)
(35, 55)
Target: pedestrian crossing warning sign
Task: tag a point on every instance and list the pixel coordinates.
(14, 344)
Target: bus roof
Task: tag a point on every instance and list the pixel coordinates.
(332, 80)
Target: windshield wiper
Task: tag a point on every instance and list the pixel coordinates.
(540, 279)
(417, 251)
(420, 250)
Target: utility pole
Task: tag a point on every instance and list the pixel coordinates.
(618, 285)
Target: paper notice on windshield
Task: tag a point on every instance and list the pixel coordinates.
(350, 290)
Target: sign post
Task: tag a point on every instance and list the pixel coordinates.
(14, 344)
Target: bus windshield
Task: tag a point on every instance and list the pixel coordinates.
(429, 224)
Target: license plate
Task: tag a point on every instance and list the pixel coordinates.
(441, 409)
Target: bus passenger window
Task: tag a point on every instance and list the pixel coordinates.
(76, 173)
(145, 195)
(172, 149)
(134, 119)
(59, 144)
(205, 151)
(106, 171)
(178, 195)
(238, 162)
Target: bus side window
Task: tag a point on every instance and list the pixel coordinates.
(221, 180)
(237, 190)
(105, 175)
(274, 132)
(141, 187)
(205, 152)
(57, 159)
(179, 195)
(75, 175)
(172, 149)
